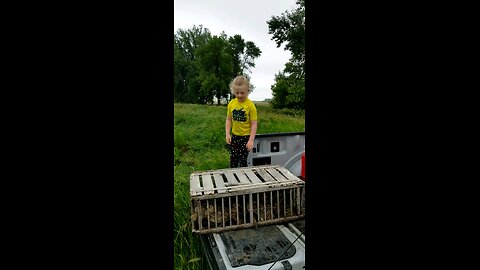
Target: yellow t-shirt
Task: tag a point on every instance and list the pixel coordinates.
(242, 114)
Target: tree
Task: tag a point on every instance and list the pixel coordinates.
(186, 43)
(205, 65)
(214, 65)
(289, 28)
(243, 56)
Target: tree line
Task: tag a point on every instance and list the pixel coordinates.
(204, 64)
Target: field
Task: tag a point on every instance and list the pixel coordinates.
(199, 144)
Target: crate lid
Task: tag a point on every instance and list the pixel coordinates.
(234, 179)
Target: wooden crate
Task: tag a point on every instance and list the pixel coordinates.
(235, 198)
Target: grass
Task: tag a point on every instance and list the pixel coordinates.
(199, 144)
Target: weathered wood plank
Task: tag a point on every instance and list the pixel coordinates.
(241, 176)
(195, 188)
(252, 176)
(264, 174)
(232, 181)
(288, 174)
(219, 183)
(207, 183)
(277, 175)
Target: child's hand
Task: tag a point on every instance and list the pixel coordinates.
(228, 139)
(249, 145)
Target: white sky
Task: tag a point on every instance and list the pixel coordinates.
(247, 18)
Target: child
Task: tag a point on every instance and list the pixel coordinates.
(242, 120)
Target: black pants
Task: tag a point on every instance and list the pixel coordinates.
(239, 152)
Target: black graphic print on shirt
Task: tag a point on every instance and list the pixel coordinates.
(239, 115)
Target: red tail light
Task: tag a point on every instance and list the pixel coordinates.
(303, 166)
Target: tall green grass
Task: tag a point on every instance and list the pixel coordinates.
(199, 144)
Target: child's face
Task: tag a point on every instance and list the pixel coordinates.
(241, 93)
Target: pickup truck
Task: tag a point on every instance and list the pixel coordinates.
(277, 246)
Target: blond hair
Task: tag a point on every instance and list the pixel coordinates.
(240, 82)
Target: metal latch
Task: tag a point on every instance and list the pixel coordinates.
(287, 265)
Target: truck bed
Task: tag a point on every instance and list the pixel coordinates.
(257, 248)
(280, 245)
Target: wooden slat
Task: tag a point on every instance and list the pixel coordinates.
(263, 173)
(231, 178)
(252, 176)
(219, 183)
(241, 176)
(256, 178)
(207, 183)
(278, 176)
(288, 174)
(195, 188)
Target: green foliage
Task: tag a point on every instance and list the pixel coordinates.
(214, 65)
(199, 144)
(243, 53)
(280, 91)
(289, 28)
(186, 43)
(204, 65)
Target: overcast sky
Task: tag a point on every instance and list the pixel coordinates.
(247, 18)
